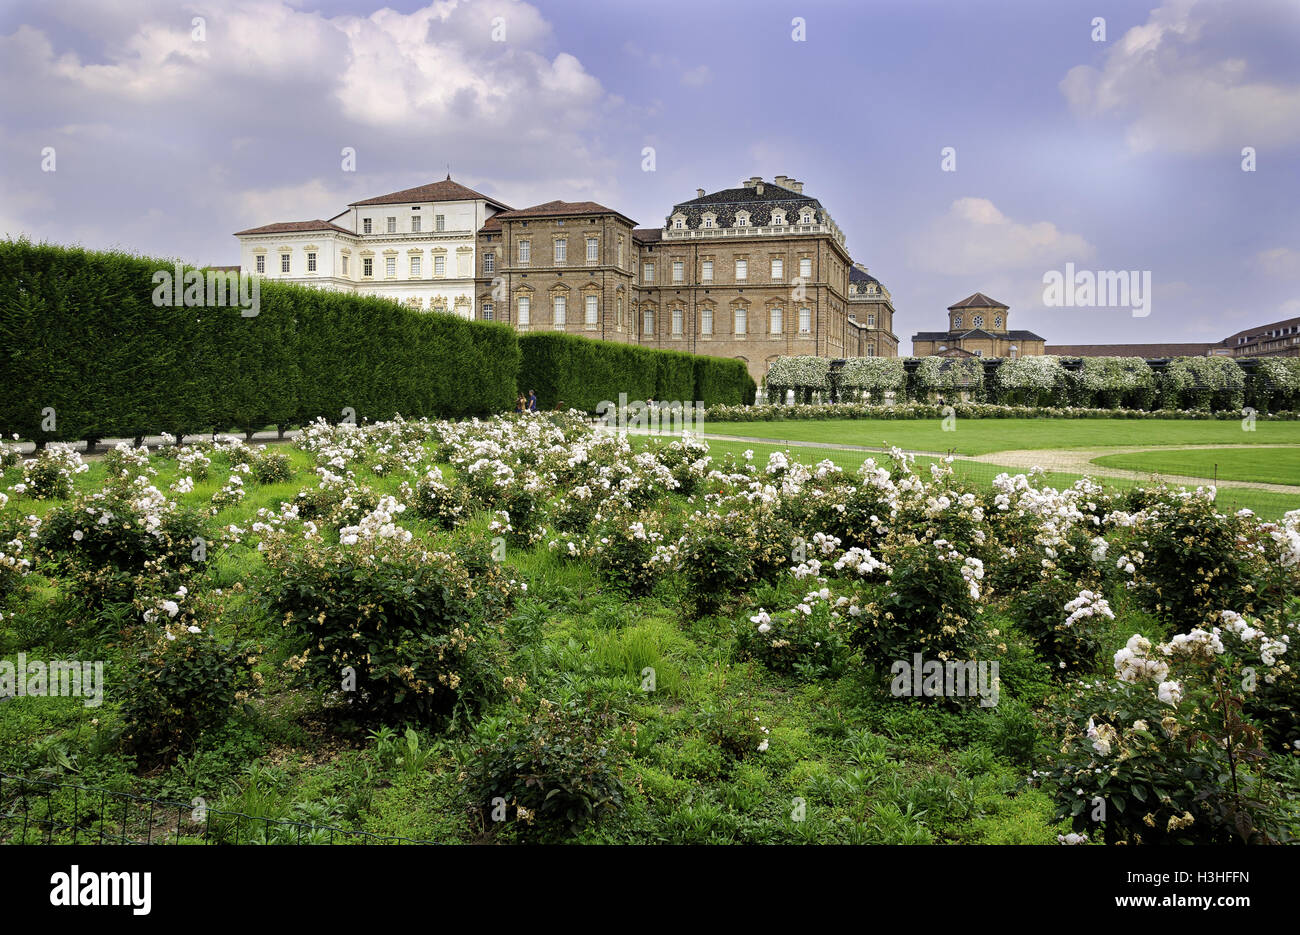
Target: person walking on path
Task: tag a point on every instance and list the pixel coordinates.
(532, 400)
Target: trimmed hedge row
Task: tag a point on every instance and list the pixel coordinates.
(570, 371)
(87, 353)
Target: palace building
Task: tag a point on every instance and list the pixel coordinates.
(754, 272)
(978, 327)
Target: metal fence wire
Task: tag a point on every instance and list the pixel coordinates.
(38, 811)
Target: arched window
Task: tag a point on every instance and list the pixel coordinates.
(956, 321)
(979, 321)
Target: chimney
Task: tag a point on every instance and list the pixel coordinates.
(751, 182)
(759, 188)
(780, 180)
(699, 193)
(796, 187)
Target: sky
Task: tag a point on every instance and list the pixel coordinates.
(1120, 150)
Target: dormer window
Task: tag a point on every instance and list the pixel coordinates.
(742, 218)
(778, 217)
(806, 217)
(709, 220)
(679, 222)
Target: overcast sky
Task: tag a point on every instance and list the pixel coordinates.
(1116, 154)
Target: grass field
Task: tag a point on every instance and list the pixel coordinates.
(1265, 465)
(1265, 503)
(981, 436)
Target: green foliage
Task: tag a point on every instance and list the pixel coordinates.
(181, 685)
(550, 772)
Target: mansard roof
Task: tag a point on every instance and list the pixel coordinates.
(725, 203)
(554, 209)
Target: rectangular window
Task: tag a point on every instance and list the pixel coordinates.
(489, 262)
(805, 321)
(392, 225)
(311, 262)
(805, 267)
(593, 251)
(415, 224)
(489, 311)
(706, 271)
(525, 309)
(742, 269)
(344, 258)
(620, 252)
(706, 321)
(592, 307)
(260, 263)
(741, 321)
(440, 222)
(871, 321)
(415, 267)
(390, 267)
(648, 273)
(440, 265)
(648, 322)
(525, 252)
(777, 320)
(677, 322)
(368, 266)
(560, 303)
(679, 271)
(284, 262)
(561, 252)
(618, 304)
(365, 225)
(778, 268)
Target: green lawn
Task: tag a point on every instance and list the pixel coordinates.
(1265, 465)
(980, 436)
(1264, 503)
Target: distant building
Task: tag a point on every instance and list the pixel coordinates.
(871, 316)
(978, 327)
(1279, 339)
(1147, 351)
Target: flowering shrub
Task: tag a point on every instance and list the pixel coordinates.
(548, 772)
(270, 467)
(624, 548)
(1203, 383)
(1067, 625)
(183, 683)
(950, 375)
(804, 375)
(1165, 752)
(447, 506)
(49, 475)
(1275, 383)
(1109, 382)
(1031, 380)
(418, 631)
(873, 375)
(809, 639)
(127, 459)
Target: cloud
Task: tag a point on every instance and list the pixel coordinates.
(216, 135)
(697, 77)
(1175, 95)
(974, 238)
(1278, 261)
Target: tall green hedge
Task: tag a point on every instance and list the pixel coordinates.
(576, 372)
(82, 335)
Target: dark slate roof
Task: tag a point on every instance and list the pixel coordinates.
(294, 227)
(1259, 332)
(932, 336)
(446, 190)
(728, 201)
(1128, 350)
(977, 300)
(861, 275)
(648, 234)
(1024, 336)
(562, 209)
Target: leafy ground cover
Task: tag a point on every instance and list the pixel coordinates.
(519, 630)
